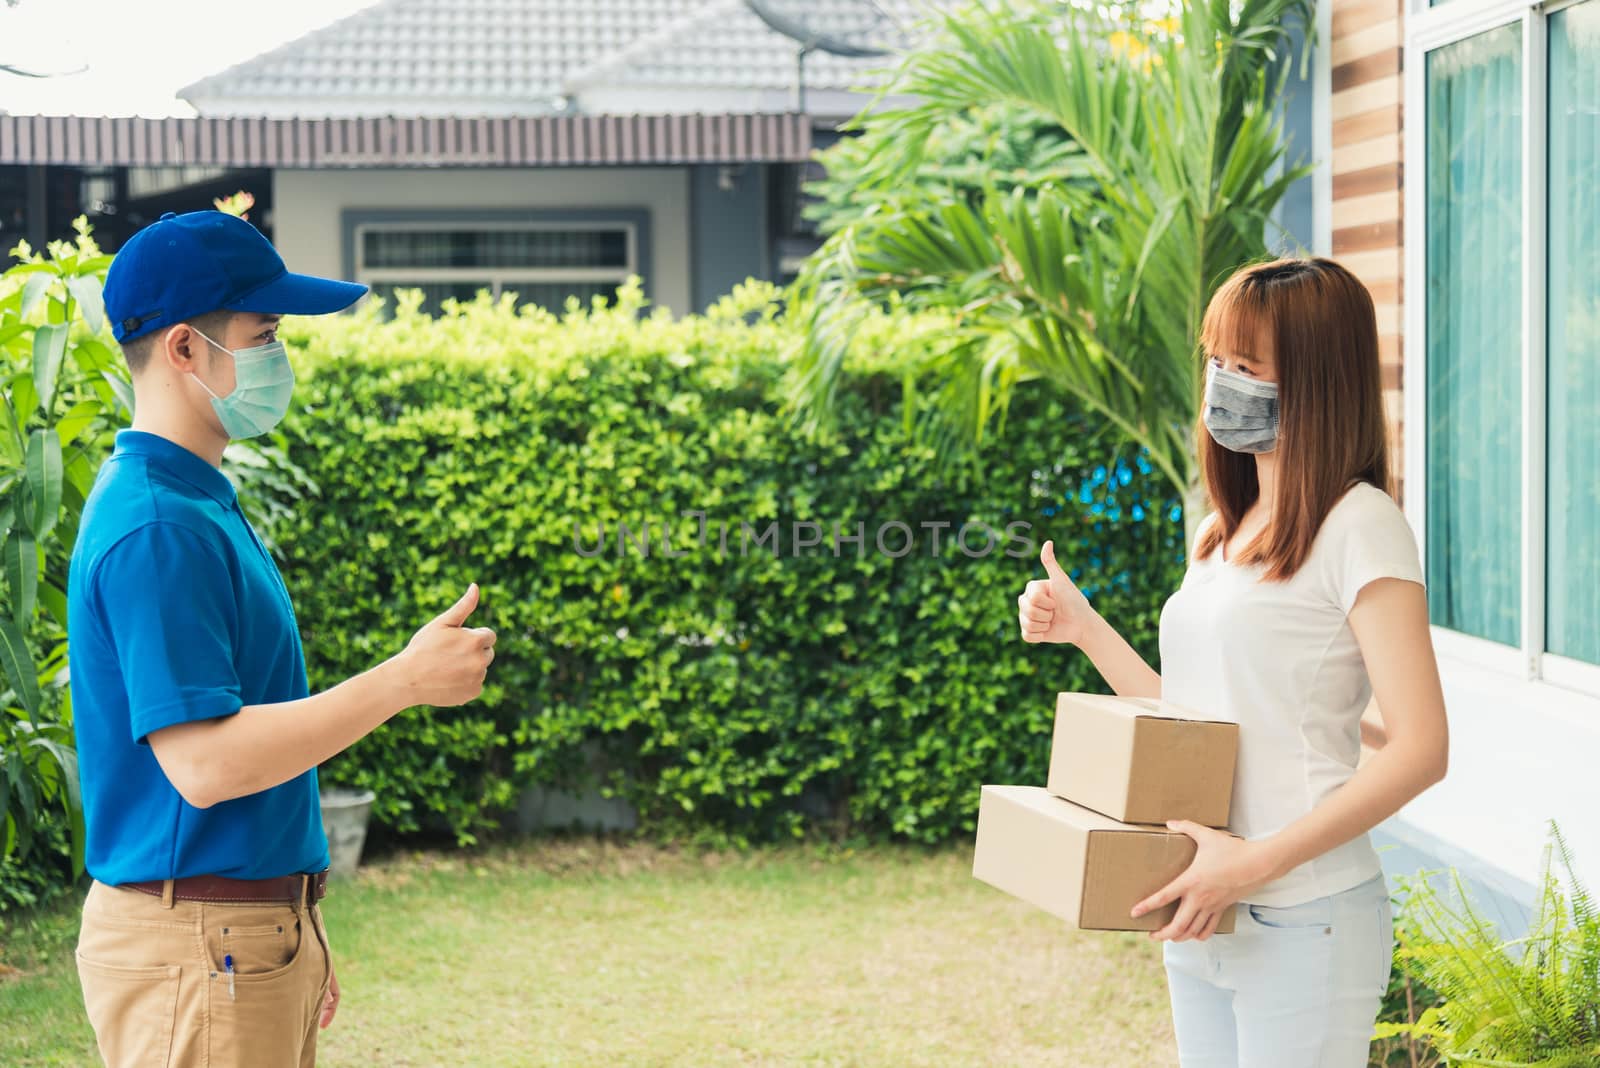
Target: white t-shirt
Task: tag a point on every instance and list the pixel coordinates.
(1279, 659)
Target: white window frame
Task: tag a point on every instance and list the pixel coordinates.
(496, 279)
(1428, 28)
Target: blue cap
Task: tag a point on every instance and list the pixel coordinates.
(205, 261)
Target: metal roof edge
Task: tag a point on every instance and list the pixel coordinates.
(531, 141)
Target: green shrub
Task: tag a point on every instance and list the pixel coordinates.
(63, 392)
(1407, 996)
(1531, 1002)
(742, 695)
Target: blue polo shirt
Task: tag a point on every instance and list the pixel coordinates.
(176, 613)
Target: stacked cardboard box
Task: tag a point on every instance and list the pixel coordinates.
(1093, 842)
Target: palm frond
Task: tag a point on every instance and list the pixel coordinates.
(1092, 279)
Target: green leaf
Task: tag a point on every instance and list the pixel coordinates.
(24, 398)
(44, 481)
(49, 348)
(27, 797)
(33, 291)
(80, 475)
(54, 600)
(67, 761)
(80, 840)
(85, 289)
(10, 435)
(93, 355)
(18, 665)
(76, 419)
(22, 573)
(122, 390)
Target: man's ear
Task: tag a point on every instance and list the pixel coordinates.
(180, 347)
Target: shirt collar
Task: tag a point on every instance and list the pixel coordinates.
(177, 461)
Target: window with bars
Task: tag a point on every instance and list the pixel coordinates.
(541, 263)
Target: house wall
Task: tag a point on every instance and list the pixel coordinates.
(728, 227)
(308, 207)
(1365, 49)
(1522, 751)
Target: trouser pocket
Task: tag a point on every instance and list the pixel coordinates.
(132, 1010)
(257, 950)
(262, 1013)
(1313, 917)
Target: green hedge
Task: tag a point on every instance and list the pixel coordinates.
(744, 695)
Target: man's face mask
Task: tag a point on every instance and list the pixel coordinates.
(1241, 413)
(263, 383)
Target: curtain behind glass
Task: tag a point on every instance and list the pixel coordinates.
(552, 296)
(1474, 340)
(495, 248)
(1573, 550)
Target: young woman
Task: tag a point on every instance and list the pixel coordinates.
(1303, 599)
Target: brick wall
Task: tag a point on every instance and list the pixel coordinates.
(1366, 109)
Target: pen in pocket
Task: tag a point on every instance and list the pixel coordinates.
(227, 962)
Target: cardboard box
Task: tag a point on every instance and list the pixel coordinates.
(1077, 864)
(1142, 761)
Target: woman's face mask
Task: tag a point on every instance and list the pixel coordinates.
(1241, 413)
(263, 383)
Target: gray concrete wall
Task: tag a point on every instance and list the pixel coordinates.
(308, 206)
(728, 228)
(1408, 853)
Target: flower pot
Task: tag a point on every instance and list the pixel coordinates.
(344, 820)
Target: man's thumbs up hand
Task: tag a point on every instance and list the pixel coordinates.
(446, 661)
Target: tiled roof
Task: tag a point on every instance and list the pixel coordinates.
(530, 57)
(434, 57)
(723, 44)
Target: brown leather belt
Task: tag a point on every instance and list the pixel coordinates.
(287, 889)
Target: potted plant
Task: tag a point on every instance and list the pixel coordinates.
(345, 812)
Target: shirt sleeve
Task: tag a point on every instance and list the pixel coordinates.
(168, 601)
(1377, 543)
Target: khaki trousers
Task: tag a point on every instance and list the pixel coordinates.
(159, 995)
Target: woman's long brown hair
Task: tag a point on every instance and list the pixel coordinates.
(1332, 432)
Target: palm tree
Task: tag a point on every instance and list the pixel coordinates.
(1092, 279)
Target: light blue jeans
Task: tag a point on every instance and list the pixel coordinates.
(1293, 987)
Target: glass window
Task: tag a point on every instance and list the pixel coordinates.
(551, 295)
(1474, 335)
(495, 248)
(1572, 624)
(541, 265)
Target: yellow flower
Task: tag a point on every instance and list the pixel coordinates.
(1125, 43)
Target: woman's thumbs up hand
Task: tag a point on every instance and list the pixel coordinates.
(1053, 609)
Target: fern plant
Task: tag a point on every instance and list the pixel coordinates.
(1532, 1002)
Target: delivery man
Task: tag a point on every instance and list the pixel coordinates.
(198, 739)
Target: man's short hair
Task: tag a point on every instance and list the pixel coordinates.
(137, 352)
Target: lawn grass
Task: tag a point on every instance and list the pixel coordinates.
(595, 952)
